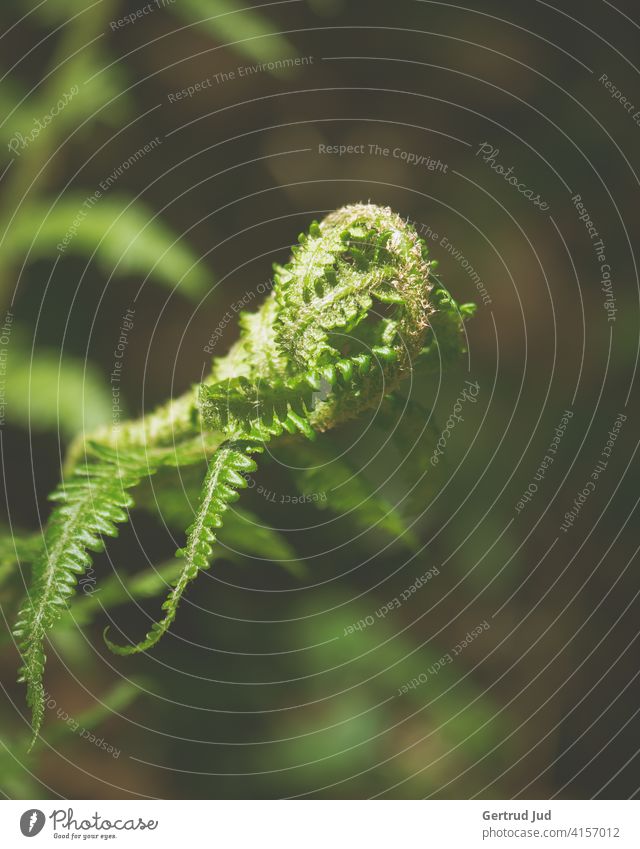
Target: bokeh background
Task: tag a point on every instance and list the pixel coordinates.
(260, 690)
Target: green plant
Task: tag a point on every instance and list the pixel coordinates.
(352, 314)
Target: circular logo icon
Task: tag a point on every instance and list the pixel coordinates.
(32, 822)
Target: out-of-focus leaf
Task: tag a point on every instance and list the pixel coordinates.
(16, 780)
(16, 548)
(413, 435)
(385, 661)
(45, 392)
(81, 55)
(125, 236)
(383, 705)
(101, 97)
(111, 591)
(58, 11)
(331, 483)
(12, 115)
(237, 23)
(118, 698)
(245, 535)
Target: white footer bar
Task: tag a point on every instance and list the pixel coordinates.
(320, 824)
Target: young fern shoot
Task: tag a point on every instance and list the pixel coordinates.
(348, 318)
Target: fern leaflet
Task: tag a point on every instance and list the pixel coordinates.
(90, 505)
(220, 488)
(259, 409)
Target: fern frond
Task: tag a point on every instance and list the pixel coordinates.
(90, 504)
(345, 322)
(260, 410)
(265, 408)
(243, 535)
(220, 488)
(328, 289)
